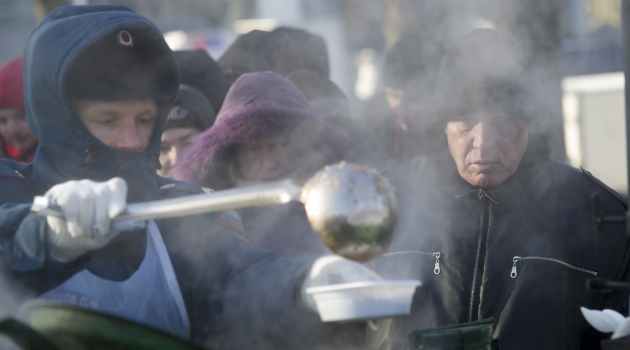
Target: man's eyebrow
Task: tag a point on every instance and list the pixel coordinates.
(148, 110)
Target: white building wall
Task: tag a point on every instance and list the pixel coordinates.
(595, 133)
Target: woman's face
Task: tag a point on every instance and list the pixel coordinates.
(267, 159)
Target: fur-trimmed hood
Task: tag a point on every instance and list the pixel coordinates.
(257, 106)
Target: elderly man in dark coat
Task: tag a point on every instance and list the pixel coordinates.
(492, 226)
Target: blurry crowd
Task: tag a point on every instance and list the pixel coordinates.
(268, 110)
(491, 225)
(386, 129)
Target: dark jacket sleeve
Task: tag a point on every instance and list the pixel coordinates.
(240, 297)
(615, 253)
(23, 253)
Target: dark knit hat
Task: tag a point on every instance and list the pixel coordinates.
(486, 71)
(123, 65)
(199, 70)
(248, 53)
(190, 110)
(328, 100)
(295, 49)
(412, 62)
(12, 85)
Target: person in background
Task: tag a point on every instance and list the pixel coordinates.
(250, 52)
(16, 139)
(267, 131)
(190, 115)
(399, 118)
(294, 49)
(328, 100)
(100, 81)
(490, 224)
(282, 50)
(198, 70)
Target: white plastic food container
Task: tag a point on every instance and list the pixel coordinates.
(364, 300)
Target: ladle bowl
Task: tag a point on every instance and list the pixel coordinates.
(352, 209)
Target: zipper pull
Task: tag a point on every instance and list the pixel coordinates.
(513, 274)
(436, 268)
(480, 194)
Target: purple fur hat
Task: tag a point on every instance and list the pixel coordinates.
(257, 106)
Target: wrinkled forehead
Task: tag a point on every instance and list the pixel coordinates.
(488, 115)
(488, 110)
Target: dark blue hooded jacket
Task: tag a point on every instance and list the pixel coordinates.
(231, 290)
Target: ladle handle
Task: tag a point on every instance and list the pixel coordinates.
(135, 214)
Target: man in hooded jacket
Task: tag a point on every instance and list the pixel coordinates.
(100, 81)
(492, 226)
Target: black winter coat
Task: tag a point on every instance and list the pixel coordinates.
(521, 252)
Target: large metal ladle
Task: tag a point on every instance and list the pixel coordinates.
(350, 206)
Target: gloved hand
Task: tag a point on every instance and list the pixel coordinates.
(88, 208)
(332, 269)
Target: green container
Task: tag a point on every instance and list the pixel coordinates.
(70, 327)
(463, 336)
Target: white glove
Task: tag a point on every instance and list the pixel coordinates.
(88, 208)
(329, 270)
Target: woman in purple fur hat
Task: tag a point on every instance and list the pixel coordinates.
(267, 131)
